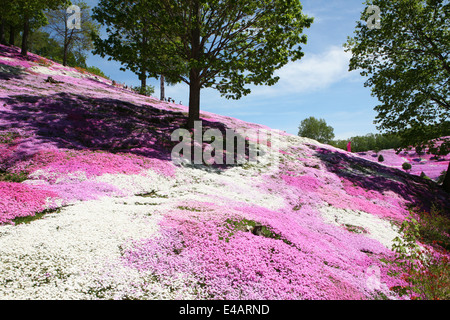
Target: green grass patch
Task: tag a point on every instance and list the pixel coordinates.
(189, 208)
(252, 226)
(151, 194)
(354, 229)
(8, 137)
(13, 177)
(39, 215)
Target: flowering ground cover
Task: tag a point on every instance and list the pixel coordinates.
(429, 164)
(313, 222)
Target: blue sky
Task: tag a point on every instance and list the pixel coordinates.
(318, 85)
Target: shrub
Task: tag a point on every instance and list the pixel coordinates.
(97, 71)
(434, 227)
(44, 62)
(380, 158)
(441, 178)
(406, 166)
(81, 70)
(424, 265)
(423, 175)
(147, 91)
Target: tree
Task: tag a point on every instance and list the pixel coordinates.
(5, 12)
(74, 39)
(127, 38)
(161, 88)
(316, 129)
(41, 43)
(406, 166)
(9, 21)
(220, 44)
(407, 65)
(29, 14)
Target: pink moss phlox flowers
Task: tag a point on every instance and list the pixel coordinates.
(20, 200)
(307, 262)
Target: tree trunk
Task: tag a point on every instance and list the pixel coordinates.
(194, 98)
(66, 45)
(162, 95)
(143, 78)
(446, 183)
(143, 81)
(2, 32)
(26, 32)
(194, 75)
(12, 34)
(65, 55)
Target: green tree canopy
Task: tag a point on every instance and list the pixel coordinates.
(129, 38)
(220, 44)
(407, 65)
(75, 41)
(30, 13)
(41, 43)
(316, 129)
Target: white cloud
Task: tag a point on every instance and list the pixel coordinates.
(314, 72)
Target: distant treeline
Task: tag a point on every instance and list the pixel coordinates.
(371, 141)
(378, 141)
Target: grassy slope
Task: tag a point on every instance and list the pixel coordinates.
(131, 224)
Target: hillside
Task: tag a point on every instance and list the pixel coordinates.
(431, 166)
(122, 221)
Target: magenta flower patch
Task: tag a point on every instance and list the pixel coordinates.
(300, 258)
(20, 200)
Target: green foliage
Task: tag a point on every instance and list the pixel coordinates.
(316, 129)
(406, 166)
(189, 208)
(424, 176)
(13, 177)
(147, 91)
(407, 66)
(151, 194)
(39, 215)
(245, 225)
(434, 228)
(374, 142)
(8, 137)
(380, 158)
(97, 71)
(425, 269)
(41, 43)
(223, 45)
(441, 177)
(129, 39)
(355, 229)
(74, 41)
(29, 14)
